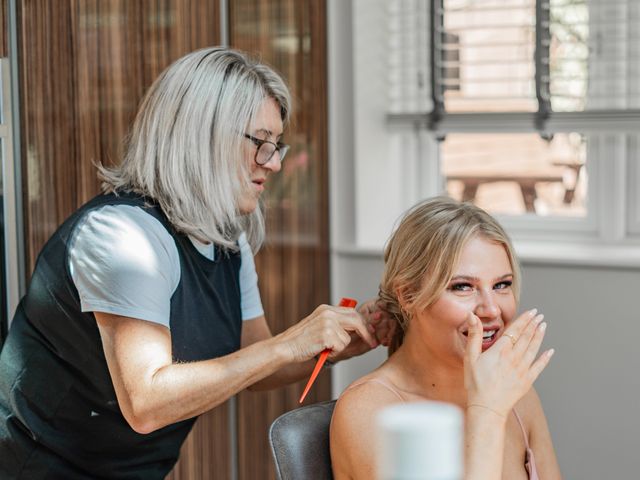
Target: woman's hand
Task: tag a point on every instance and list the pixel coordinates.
(384, 325)
(499, 377)
(328, 327)
(378, 322)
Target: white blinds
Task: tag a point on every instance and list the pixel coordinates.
(540, 57)
(614, 54)
(512, 55)
(484, 55)
(409, 76)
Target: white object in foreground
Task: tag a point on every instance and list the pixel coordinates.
(422, 440)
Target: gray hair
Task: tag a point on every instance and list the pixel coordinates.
(185, 147)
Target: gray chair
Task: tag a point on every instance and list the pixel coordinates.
(300, 443)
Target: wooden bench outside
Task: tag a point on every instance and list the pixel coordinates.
(526, 181)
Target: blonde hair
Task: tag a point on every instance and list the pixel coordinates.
(185, 147)
(423, 251)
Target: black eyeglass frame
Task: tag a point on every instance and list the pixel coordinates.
(281, 148)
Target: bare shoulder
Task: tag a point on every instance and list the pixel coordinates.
(353, 427)
(364, 398)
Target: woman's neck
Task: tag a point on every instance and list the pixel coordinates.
(422, 373)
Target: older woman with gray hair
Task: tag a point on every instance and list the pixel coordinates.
(143, 310)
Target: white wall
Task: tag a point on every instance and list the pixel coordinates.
(591, 387)
(591, 391)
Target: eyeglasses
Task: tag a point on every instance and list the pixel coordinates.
(266, 149)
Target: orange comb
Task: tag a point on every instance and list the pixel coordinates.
(344, 302)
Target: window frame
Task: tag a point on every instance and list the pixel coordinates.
(633, 187)
(613, 165)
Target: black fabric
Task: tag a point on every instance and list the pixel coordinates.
(59, 417)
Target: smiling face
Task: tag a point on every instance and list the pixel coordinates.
(480, 283)
(267, 125)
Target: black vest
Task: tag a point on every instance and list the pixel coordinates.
(59, 417)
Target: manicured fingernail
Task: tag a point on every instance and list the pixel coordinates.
(550, 353)
(543, 327)
(473, 320)
(538, 319)
(533, 312)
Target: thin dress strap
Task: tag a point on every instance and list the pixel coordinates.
(529, 462)
(362, 382)
(376, 380)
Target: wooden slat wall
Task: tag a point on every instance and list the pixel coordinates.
(85, 65)
(294, 265)
(4, 39)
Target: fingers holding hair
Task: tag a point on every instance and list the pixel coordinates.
(352, 321)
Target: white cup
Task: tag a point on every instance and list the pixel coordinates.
(422, 440)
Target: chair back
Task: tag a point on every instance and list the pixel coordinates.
(300, 442)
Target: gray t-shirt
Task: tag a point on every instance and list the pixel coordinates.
(124, 262)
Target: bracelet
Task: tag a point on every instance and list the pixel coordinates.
(486, 408)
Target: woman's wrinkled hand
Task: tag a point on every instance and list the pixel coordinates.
(497, 378)
(384, 325)
(328, 327)
(379, 324)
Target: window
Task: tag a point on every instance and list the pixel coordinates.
(518, 173)
(534, 104)
(633, 184)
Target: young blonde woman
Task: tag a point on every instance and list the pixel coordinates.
(451, 280)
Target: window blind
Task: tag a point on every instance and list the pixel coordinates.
(542, 64)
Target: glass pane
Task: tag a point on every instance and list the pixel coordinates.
(487, 56)
(569, 55)
(612, 49)
(514, 174)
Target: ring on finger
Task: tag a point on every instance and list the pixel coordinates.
(511, 337)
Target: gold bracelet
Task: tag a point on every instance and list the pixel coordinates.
(486, 408)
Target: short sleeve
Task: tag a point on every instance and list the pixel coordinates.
(250, 300)
(124, 262)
